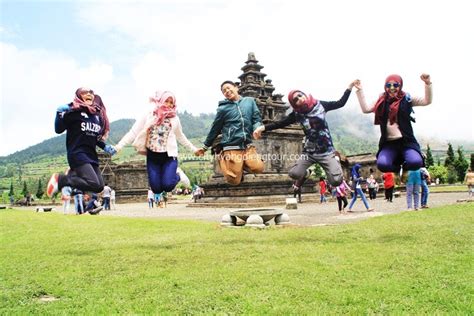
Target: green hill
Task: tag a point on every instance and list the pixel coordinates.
(351, 132)
(193, 126)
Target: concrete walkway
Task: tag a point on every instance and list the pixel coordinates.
(307, 214)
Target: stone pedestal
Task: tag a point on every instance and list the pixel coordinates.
(256, 218)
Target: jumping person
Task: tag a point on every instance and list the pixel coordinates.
(398, 145)
(87, 126)
(236, 119)
(318, 146)
(155, 135)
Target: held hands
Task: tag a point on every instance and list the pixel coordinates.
(200, 152)
(426, 78)
(63, 108)
(257, 133)
(352, 84)
(110, 150)
(357, 84)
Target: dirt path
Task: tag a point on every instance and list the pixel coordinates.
(306, 214)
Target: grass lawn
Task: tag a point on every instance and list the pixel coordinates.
(409, 263)
(449, 188)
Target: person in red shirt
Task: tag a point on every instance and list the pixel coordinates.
(322, 190)
(388, 184)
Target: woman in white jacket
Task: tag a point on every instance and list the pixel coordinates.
(155, 136)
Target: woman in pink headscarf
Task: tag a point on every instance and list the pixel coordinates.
(155, 136)
(398, 145)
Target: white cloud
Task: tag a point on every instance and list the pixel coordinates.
(34, 83)
(190, 48)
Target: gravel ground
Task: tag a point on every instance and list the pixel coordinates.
(307, 214)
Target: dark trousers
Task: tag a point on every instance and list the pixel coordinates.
(162, 174)
(86, 178)
(340, 200)
(389, 194)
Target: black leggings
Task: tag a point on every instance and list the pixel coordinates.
(86, 177)
(340, 200)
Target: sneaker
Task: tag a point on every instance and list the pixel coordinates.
(370, 209)
(52, 187)
(183, 177)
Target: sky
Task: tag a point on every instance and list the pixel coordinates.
(126, 50)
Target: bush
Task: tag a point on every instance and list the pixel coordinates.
(440, 172)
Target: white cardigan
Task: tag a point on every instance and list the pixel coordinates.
(137, 136)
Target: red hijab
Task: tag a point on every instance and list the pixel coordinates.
(161, 110)
(393, 101)
(304, 108)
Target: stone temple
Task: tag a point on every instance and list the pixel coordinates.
(279, 149)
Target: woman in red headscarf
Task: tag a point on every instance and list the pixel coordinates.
(87, 126)
(398, 145)
(155, 135)
(318, 146)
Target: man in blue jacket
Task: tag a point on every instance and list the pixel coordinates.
(236, 119)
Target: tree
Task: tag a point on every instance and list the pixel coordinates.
(440, 172)
(25, 189)
(12, 192)
(461, 164)
(452, 174)
(449, 161)
(40, 190)
(472, 161)
(429, 157)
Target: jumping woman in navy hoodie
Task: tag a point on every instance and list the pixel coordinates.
(87, 126)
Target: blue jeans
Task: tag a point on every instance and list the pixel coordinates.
(425, 191)
(79, 203)
(322, 199)
(358, 191)
(106, 203)
(162, 174)
(413, 195)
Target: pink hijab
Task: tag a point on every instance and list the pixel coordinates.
(161, 110)
(304, 108)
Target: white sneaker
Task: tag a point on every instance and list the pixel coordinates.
(183, 177)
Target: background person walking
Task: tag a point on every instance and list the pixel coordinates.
(413, 186)
(356, 182)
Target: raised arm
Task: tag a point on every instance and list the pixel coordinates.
(428, 92)
(361, 97)
(333, 105)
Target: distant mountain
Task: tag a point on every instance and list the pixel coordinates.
(351, 133)
(193, 126)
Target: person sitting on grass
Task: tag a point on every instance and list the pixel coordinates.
(93, 206)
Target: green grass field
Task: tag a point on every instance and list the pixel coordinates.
(409, 263)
